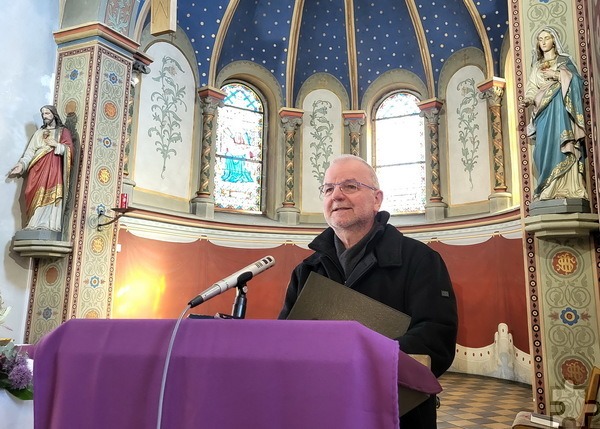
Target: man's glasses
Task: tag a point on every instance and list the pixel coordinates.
(347, 187)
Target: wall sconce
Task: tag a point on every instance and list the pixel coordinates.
(119, 212)
(138, 69)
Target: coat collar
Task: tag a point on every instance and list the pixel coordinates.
(385, 243)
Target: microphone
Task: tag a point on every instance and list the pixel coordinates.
(241, 276)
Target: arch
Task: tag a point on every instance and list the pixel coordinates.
(264, 81)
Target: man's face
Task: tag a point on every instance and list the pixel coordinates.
(47, 116)
(355, 211)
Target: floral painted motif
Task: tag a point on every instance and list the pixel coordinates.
(164, 113)
(118, 15)
(321, 129)
(569, 316)
(468, 125)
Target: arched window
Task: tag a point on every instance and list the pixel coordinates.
(239, 150)
(399, 153)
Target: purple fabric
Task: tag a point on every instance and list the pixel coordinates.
(416, 376)
(223, 374)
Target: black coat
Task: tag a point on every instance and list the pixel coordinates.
(402, 273)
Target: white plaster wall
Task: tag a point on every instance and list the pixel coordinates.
(148, 175)
(467, 188)
(328, 111)
(27, 66)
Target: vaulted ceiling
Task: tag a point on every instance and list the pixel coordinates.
(354, 40)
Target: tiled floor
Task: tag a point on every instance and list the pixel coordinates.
(471, 401)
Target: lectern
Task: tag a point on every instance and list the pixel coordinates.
(222, 374)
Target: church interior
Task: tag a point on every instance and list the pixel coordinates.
(201, 132)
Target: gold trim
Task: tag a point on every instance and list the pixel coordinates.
(485, 42)
(351, 46)
(219, 40)
(423, 46)
(292, 52)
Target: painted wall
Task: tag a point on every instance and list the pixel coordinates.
(29, 58)
(156, 279)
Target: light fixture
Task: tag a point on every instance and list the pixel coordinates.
(120, 211)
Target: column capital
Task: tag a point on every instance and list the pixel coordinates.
(287, 112)
(350, 115)
(493, 90)
(493, 82)
(430, 104)
(211, 92)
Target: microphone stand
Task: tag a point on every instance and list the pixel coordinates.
(239, 304)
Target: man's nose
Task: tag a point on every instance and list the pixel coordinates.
(337, 192)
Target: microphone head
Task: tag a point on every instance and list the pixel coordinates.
(268, 260)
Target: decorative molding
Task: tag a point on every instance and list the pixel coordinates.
(96, 29)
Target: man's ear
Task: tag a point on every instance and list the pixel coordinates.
(378, 199)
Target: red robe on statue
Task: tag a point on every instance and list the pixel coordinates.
(48, 173)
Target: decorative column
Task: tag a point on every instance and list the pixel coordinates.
(562, 254)
(563, 308)
(354, 120)
(92, 91)
(291, 119)
(493, 91)
(435, 209)
(211, 99)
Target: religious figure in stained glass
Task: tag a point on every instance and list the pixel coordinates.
(235, 161)
(238, 167)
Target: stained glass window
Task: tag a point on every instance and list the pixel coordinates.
(239, 150)
(399, 154)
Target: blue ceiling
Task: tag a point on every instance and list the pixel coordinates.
(382, 35)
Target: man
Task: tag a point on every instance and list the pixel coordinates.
(47, 161)
(362, 251)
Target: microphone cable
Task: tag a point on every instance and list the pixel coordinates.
(163, 382)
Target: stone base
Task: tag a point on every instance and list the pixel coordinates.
(559, 206)
(49, 249)
(38, 235)
(561, 225)
(435, 211)
(500, 201)
(288, 215)
(203, 207)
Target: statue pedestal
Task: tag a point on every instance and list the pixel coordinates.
(46, 249)
(38, 235)
(562, 225)
(204, 207)
(559, 206)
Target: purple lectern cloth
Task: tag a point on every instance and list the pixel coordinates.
(223, 374)
(416, 376)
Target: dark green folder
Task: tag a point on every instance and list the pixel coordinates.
(324, 299)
